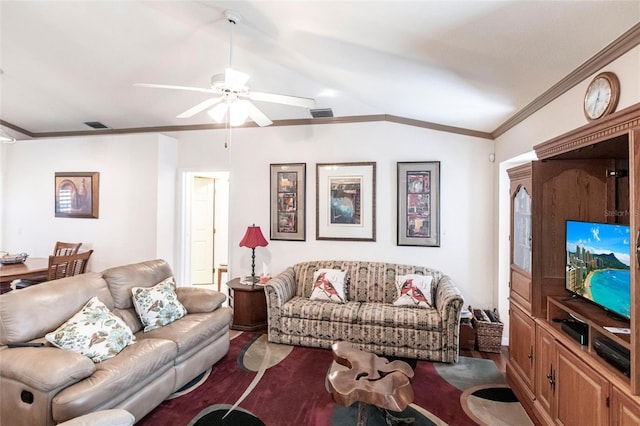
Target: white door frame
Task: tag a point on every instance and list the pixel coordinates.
(183, 268)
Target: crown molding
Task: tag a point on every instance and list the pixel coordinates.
(276, 123)
(627, 41)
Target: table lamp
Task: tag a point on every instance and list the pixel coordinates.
(253, 238)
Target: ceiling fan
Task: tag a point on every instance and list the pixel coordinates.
(233, 96)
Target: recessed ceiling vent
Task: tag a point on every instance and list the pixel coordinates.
(96, 125)
(321, 113)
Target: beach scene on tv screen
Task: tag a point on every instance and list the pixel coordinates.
(597, 268)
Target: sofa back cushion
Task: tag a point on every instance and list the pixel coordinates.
(122, 279)
(32, 312)
(366, 281)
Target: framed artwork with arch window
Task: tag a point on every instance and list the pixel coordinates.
(76, 194)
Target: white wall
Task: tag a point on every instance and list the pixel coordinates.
(139, 193)
(134, 210)
(466, 190)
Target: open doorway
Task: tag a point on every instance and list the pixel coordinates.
(205, 228)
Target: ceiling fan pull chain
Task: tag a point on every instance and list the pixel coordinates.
(227, 136)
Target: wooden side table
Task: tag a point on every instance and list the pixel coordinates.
(249, 306)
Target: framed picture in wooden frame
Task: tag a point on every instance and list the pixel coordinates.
(288, 201)
(419, 203)
(346, 201)
(76, 194)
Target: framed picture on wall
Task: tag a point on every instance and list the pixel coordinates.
(419, 204)
(288, 192)
(346, 201)
(76, 194)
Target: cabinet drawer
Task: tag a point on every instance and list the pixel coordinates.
(521, 289)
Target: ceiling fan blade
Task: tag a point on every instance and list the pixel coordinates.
(200, 107)
(255, 114)
(235, 80)
(282, 99)
(166, 86)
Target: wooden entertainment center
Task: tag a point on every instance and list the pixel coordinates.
(589, 174)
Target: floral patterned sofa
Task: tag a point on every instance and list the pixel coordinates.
(367, 316)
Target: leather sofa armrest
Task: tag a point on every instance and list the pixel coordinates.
(44, 368)
(198, 300)
(113, 417)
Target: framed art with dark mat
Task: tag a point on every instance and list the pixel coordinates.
(419, 203)
(288, 184)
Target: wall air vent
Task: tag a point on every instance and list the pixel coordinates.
(96, 125)
(321, 113)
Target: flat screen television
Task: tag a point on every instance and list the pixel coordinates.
(597, 264)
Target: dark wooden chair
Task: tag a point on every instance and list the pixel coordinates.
(60, 249)
(67, 266)
(65, 249)
(61, 267)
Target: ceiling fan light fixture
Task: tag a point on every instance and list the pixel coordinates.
(238, 113)
(218, 112)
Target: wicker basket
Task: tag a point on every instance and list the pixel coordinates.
(488, 334)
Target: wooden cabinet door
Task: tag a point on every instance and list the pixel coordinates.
(581, 395)
(624, 410)
(520, 235)
(545, 373)
(521, 343)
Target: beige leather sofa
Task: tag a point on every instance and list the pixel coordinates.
(47, 385)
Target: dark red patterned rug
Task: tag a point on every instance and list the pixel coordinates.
(285, 385)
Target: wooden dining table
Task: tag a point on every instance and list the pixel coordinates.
(31, 268)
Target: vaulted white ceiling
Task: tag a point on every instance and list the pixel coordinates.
(468, 64)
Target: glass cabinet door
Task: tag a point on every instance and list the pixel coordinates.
(522, 229)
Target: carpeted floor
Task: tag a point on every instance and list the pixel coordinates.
(285, 385)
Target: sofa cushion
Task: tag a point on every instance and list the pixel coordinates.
(36, 310)
(328, 285)
(301, 307)
(366, 281)
(93, 331)
(384, 314)
(414, 290)
(191, 330)
(122, 279)
(157, 306)
(44, 368)
(116, 379)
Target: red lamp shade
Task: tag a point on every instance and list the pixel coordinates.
(253, 238)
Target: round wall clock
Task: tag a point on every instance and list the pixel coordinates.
(602, 95)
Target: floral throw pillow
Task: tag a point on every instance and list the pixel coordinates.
(94, 332)
(158, 305)
(328, 284)
(414, 290)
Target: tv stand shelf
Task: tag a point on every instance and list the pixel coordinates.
(596, 319)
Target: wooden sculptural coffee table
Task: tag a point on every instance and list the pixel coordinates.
(371, 381)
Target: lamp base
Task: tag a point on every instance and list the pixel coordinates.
(251, 280)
